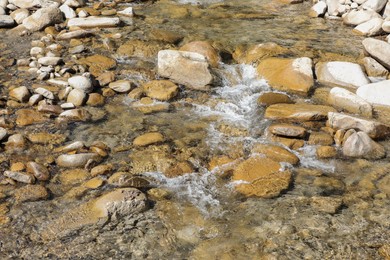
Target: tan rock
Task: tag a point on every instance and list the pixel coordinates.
(161, 89)
(148, 106)
(103, 169)
(46, 138)
(204, 48)
(76, 160)
(137, 48)
(17, 167)
(126, 179)
(326, 204)
(94, 183)
(179, 169)
(384, 185)
(291, 75)
(298, 112)
(223, 165)
(263, 177)
(287, 130)
(270, 98)
(276, 153)
(95, 100)
(121, 86)
(360, 145)
(98, 64)
(39, 171)
(21, 94)
(20, 176)
(346, 100)
(324, 152)
(29, 116)
(76, 115)
(148, 138)
(338, 137)
(77, 97)
(256, 53)
(31, 193)
(105, 78)
(291, 143)
(320, 138)
(165, 36)
(384, 251)
(71, 177)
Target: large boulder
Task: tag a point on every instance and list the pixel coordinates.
(261, 177)
(372, 128)
(370, 28)
(291, 75)
(341, 73)
(360, 145)
(379, 50)
(356, 17)
(42, 18)
(204, 48)
(376, 93)
(188, 68)
(298, 112)
(342, 98)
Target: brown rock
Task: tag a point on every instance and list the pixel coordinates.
(320, 138)
(255, 53)
(204, 48)
(161, 89)
(287, 130)
(270, 98)
(31, 193)
(17, 167)
(165, 36)
(94, 183)
(46, 138)
(105, 78)
(126, 179)
(324, 152)
(298, 112)
(223, 165)
(71, 177)
(326, 204)
(289, 142)
(98, 64)
(103, 169)
(179, 169)
(276, 153)
(39, 171)
(29, 117)
(95, 100)
(148, 138)
(21, 94)
(137, 48)
(263, 177)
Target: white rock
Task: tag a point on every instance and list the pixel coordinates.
(386, 12)
(20, 176)
(67, 106)
(188, 68)
(356, 17)
(47, 61)
(34, 99)
(342, 121)
(3, 133)
(75, 160)
(77, 97)
(35, 51)
(20, 93)
(6, 21)
(75, 3)
(128, 11)
(370, 28)
(28, 4)
(72, 35)
(44, 92)
(19, 15)
(379, 50)
(376, 93)
(71, 147)
(374, 68)
(2, 11)
(340, 73)
(83, 14)
(68, 11)
(360, 145)
(354, 6)
(81, 82)
(3, 3)
(375, 5)
(42, 18)
(121, 86)
(94, 21)
(386, 26)
(333, 5)
(58, 82)
(342, 98)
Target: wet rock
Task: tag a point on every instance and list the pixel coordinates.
(356, 17)
(165, 36)
(320, 138)
(370, 28)
(223, 165)
(376, 93)
(44, 107)
(43, 18)
(3, 133)
(120, 86)
(276, 153)
(384, 185)
(342, 98)
(120, 202)
(94, 183)
(71, 177)
(187, 68)
(319, 9)
(98, 64)
(151, 159)
(68, 12)
(384, 251)
(20, 176)
(6, 21)
(29, 117)
(50, 61)
(20, 93)
(261, 177)
(104, 169)
(372, 128)
(46, 138)
(163, 90)
(74, 146)
(126, 179)
(179, 169)
(95, 99)
(93, 21)
(298, 112)
(77, 97)
(324, 152)
(204, 48)
(341, 73)
(374, 68)
(287, 130)
(82, 83)
(39, 171)
(291, 143)
(378, 50)
(105, 78)
(270, 98)
(360, 145)
(291, 75)
(255, 53)
(147, 106)
(19, 15)
(76, 160)
(73, 34)
(326, 204)
(329, 186)
(31, 193)
(148, 138)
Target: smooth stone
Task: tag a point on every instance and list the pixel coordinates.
(319, 9)
(188, 68)
(372, 128)
(6, 21)
(341, 73)
(67, 11)
(148, 139)
(76, 115)
(76, 160)
(39, 171)
(73, 35)
(270, 98)
(163, 90)
(320, 138)
(43, 18)
(276, 153)
(374, 68)
(325, 152)
(360, 145)
(326, 204)
(104, 169)
(372, 27)
(106, 78)
(50, 61)
(291, 75)
(77, 97)
(71, 147)
(298, 112)
(376, 93)
(204, 48)
(98, 64)
(120, 86)
(95, 100)
(3, 133)
(258, 52)
(375, 5)
(127, 11)
(35, 51)
(58, 82)
(93, 21)
(342, 98)
(386, 12)
(31, 193)
(287, 130)
(44, 92)
(261, 177)
(75, 3)
(356, 17)
(28, 4)
(379, 50)
(81, 83)
(148, 106)
(126, 179)
(20, 176)
(19, 15)
(333, 6)
(20, 93)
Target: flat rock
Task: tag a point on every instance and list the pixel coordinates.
(342, 98)
(376, 93)
(73, 34)
(50, 61)
(326, 204)
(373, 128)
(288, 130)
(43, 18)
(98, 63)
(276, 153)
(29, 117)
(270, 98)
(148, 106)
(291, 75)
(375, 5)
(326, 151)
(261, 177)
(258, 52)
(163, 90)
(360, 145)
(188, 68)
(341, 73)
(31, 193)
(379, 50)
(165, 36)
(76, 160)
(94, 21)
(148, 138)
(298, 112)
(356, 17)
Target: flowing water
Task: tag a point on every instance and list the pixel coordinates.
(203, 217)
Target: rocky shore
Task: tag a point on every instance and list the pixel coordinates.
(97, 121)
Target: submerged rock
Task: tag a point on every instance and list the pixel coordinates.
(163, 90)
(148, 138)
(360, 145)
(204, 48)
(270, 98)
(298, 112)
(276, 153)
(288, 130)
